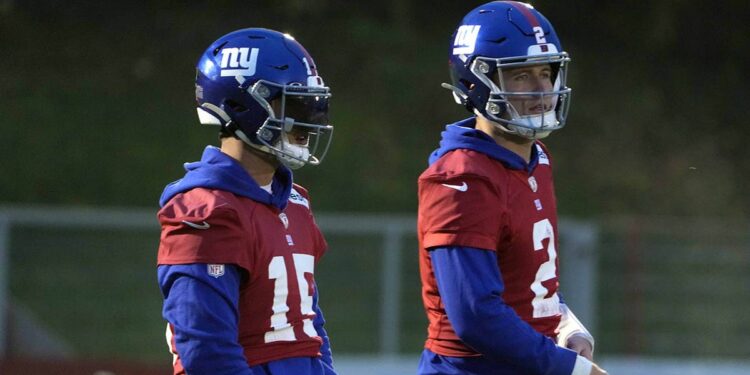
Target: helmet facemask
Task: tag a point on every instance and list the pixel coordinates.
(529, 114)
(296, 130)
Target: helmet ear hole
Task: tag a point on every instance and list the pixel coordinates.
(466, 83)
(236, 107)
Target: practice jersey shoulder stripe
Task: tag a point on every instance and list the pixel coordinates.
(297, 198)
(543, 158)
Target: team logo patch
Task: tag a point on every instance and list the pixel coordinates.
(284, 220)
(466, 39)
(245, 59)
(216, 270)
(532, 184)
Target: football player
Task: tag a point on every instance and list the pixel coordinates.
(239, 244)
(487, 211)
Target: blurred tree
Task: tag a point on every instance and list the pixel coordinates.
(97, 99)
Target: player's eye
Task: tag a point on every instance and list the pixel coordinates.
(521, 77)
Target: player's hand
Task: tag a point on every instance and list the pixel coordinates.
(581, 346)
(596, 370)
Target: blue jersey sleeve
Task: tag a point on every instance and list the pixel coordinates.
(202, 311)
(318, 323)
(471, 287)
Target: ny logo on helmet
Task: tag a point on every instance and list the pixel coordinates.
(466, 39)
(245, 58)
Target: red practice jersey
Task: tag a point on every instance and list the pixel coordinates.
(277, 250)
(469, 199)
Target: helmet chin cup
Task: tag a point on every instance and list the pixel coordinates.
(292, 155)
(529, 127)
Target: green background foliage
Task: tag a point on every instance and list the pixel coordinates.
(98, 100)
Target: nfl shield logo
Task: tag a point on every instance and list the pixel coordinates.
(216, 270)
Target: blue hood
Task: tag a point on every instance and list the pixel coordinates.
(463, 135)
(217, 170)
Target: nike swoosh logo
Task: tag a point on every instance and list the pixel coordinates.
(204, 225)
(462, 187)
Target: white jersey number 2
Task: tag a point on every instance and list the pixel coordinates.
(549, 306)
(281, 330)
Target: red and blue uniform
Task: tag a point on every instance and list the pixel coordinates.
(487, 230)
(236, 269)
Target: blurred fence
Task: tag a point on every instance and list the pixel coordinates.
(88, 276)
(646, 287)
(674, 287)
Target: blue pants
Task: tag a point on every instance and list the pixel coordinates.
(293, 366)
(436, 364)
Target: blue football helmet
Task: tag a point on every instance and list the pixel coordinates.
(494, 38)
(262, 87)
